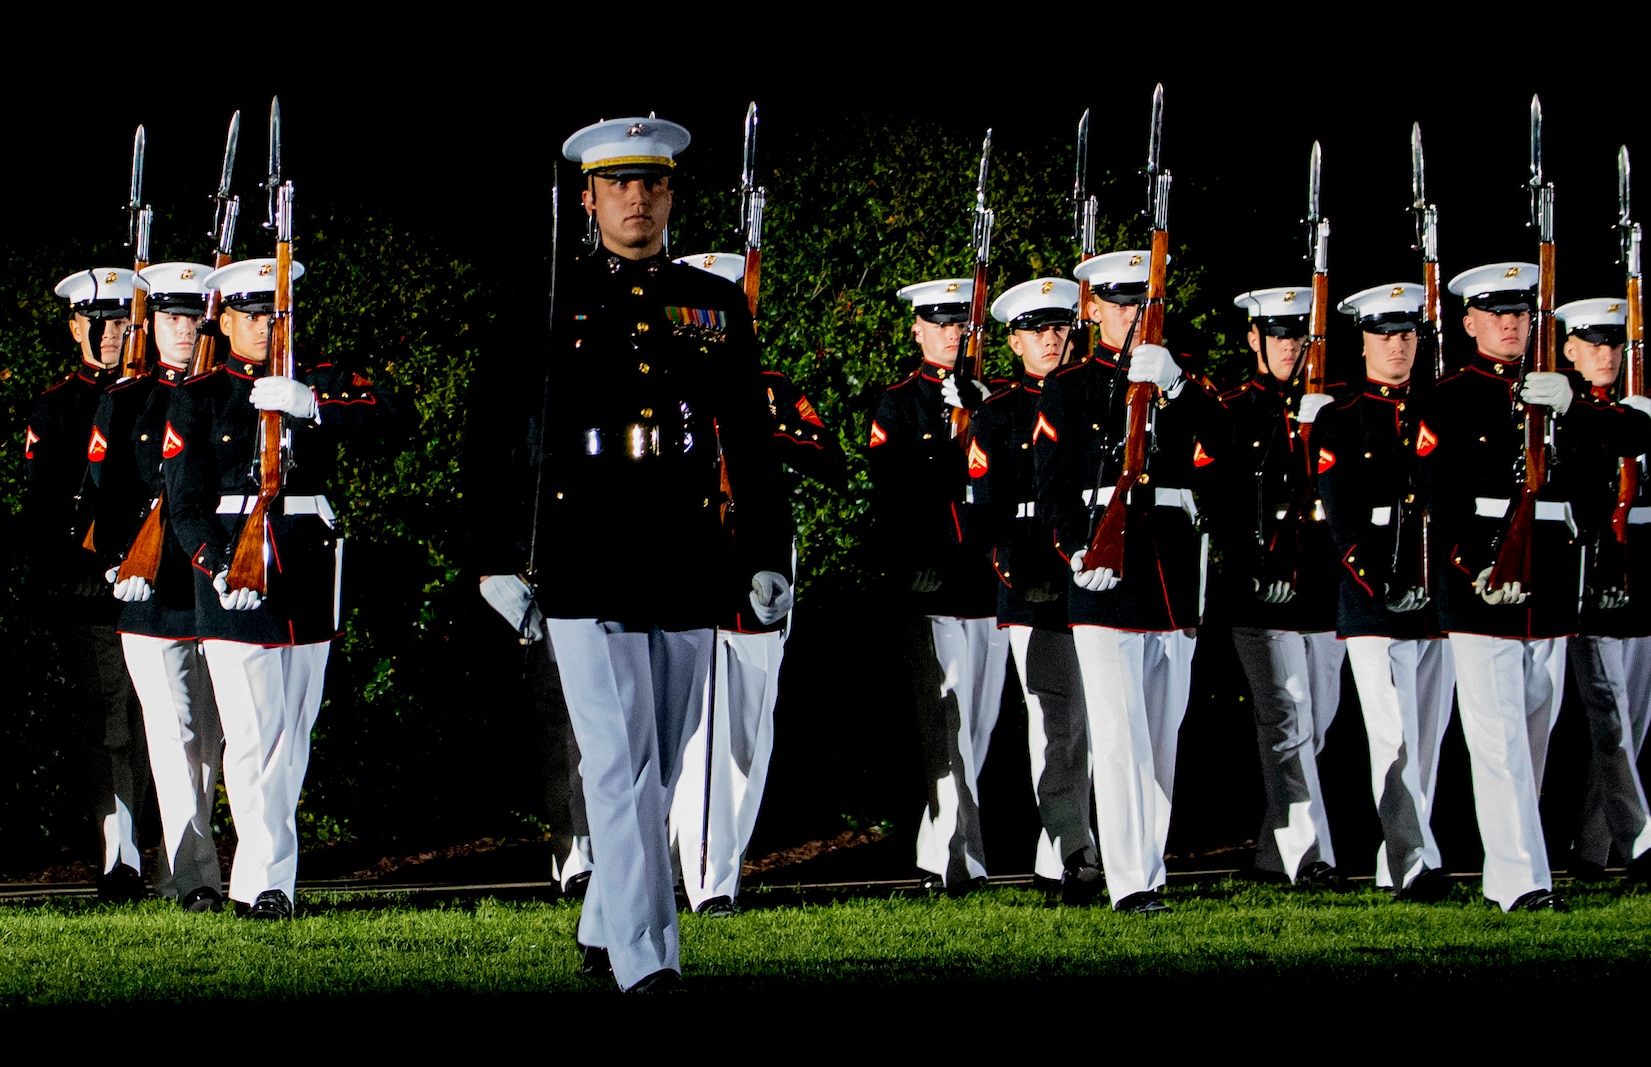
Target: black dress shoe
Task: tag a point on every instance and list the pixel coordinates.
(1428, 887)
(1540, 900)
(576, 887)
(272, 905)
(1319, 875)
(1145, 903)
(593, 960)
(932, 883)
(202, 899)
(1639, 869)
(1081, 886)
(718, 908)
(120, 885)
(666, 981)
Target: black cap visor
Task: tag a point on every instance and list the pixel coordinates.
(1280, 325)
(1042, 319)
(1392, 322)
(1602, 335)
(251, 303)
(1122, 292)
(104, 309)
(1504, 301)
(179, 303)
(943, 314)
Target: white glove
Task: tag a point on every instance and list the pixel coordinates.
(1153, 363)
(1641, 404)
(1098, 580)
(926, 580)
(1611, 599)
(1311, 405)
(770, 596)
(134, 590)
(1412, 599)
(1548, 388)
(1508, 594)
(509, 595)
(949, 391)
(235, 599)
(280, 393)
(1275, 593)
(112, 575)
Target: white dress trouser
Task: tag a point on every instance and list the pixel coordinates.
(1404, 691)
(1295, 685)
(1135, 686)
(1614, 677)
(268, 700)
(747, 686)
(634, 698)
(972, 656)
(186, 743)
(1509, 692)
(1057, 740)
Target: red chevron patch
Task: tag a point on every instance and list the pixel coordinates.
(30, 439)
(878, 435)
(806, 412)
(1201, 458)
(98, 447)
(1426, 440)
(172, 443)
(977, 460)
(1327, 459)
(1044, 429)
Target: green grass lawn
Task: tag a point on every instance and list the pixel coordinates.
(1230, 936)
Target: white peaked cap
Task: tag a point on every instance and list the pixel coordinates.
(1481, 282)
(1400, 298)
(940, 291)
(249, 276)
(1276, 303)
(96, 285)
(1126, 271)
(1039, 294)
(1599, 311)
(636, 142)
(165, 279)
(729, 266)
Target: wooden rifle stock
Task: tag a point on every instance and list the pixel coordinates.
(134, 346)
(249, 567)
(751, 281)
(206, 342)
(1106, 547)
(143, 558)
(971, 351)
(1290, 536)
(1433, 315)
(1633, 384)
(1513, 556)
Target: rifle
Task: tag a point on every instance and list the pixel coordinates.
(752, 199)
(226, 209)
(1633, 358)
(1085, 213)
(249, 567)
(531, 574)
(1106, 548)
(1427, 243)
(1513, 557)
(139, 217)
(971, 348)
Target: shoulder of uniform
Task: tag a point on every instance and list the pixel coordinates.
(128, 383)
(60, 383)
(1234, 393)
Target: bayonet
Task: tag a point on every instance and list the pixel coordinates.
(227, 207)
(273, 184)
(1534, 184)
(1315, 164)
(1080, 181)
(1625, 208)
(1154, 147)
(1418, 171)
(134, 199)
(750, 195)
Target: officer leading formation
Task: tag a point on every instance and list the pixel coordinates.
(629, 522)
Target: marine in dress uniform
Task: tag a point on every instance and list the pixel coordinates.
(266, 655)
(957, 656)
(1612, 655)
(1509, 642)
(1277, 586)
(1369, 462)
(656, 363)
(157, 620)
(65, 581)
(740, 726)
(1032, 580)
(1134, 633)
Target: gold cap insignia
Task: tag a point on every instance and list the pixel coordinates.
(1289, 296)
(636, 131)
(111, 278)
(1398, 291)
(1049, 287)
(709, 260)
(1513, 272)
(188, 273)
(1135, 261)
(951, 288)
(263, 270)
(1613, 308)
